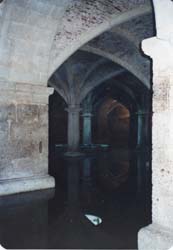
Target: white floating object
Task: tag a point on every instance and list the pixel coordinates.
(2, 248)
(95, 220)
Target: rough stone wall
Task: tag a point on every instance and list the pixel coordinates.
(23, 140)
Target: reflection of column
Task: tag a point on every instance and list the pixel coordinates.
(87, 134)
(159, 235)
(73, 128)
(87, 181)
(73, 182)
(87, 168)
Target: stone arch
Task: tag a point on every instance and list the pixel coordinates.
(94, 80)
(121, 49)
(55, 30)
(101, 22)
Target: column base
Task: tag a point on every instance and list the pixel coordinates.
(154, 237)
(15, 186)
(74, 154)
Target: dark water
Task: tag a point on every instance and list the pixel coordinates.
(114, 186)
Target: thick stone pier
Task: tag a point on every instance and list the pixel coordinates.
(159, 235)
(24, 138)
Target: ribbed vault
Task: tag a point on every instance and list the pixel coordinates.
(38, 36)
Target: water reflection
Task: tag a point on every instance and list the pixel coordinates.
(114, 186)
(24, 220)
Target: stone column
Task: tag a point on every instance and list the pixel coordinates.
(159, 235)
(87, 128)
(24, 138)
(73, 130)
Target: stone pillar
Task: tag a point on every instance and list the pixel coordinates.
(87, 129)
(159, 235)
(73, 130)
(24, 138)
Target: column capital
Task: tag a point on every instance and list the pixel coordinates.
(73, 108)
(141, 112)
(161, 51)
(87, 114)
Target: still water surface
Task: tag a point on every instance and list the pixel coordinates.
(113, 186)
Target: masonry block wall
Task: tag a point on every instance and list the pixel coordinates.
(23, 138)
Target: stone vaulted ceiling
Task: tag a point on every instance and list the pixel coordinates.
(117, 51)
(36, 37)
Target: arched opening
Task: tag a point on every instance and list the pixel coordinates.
(104, 158)
(113, 124)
